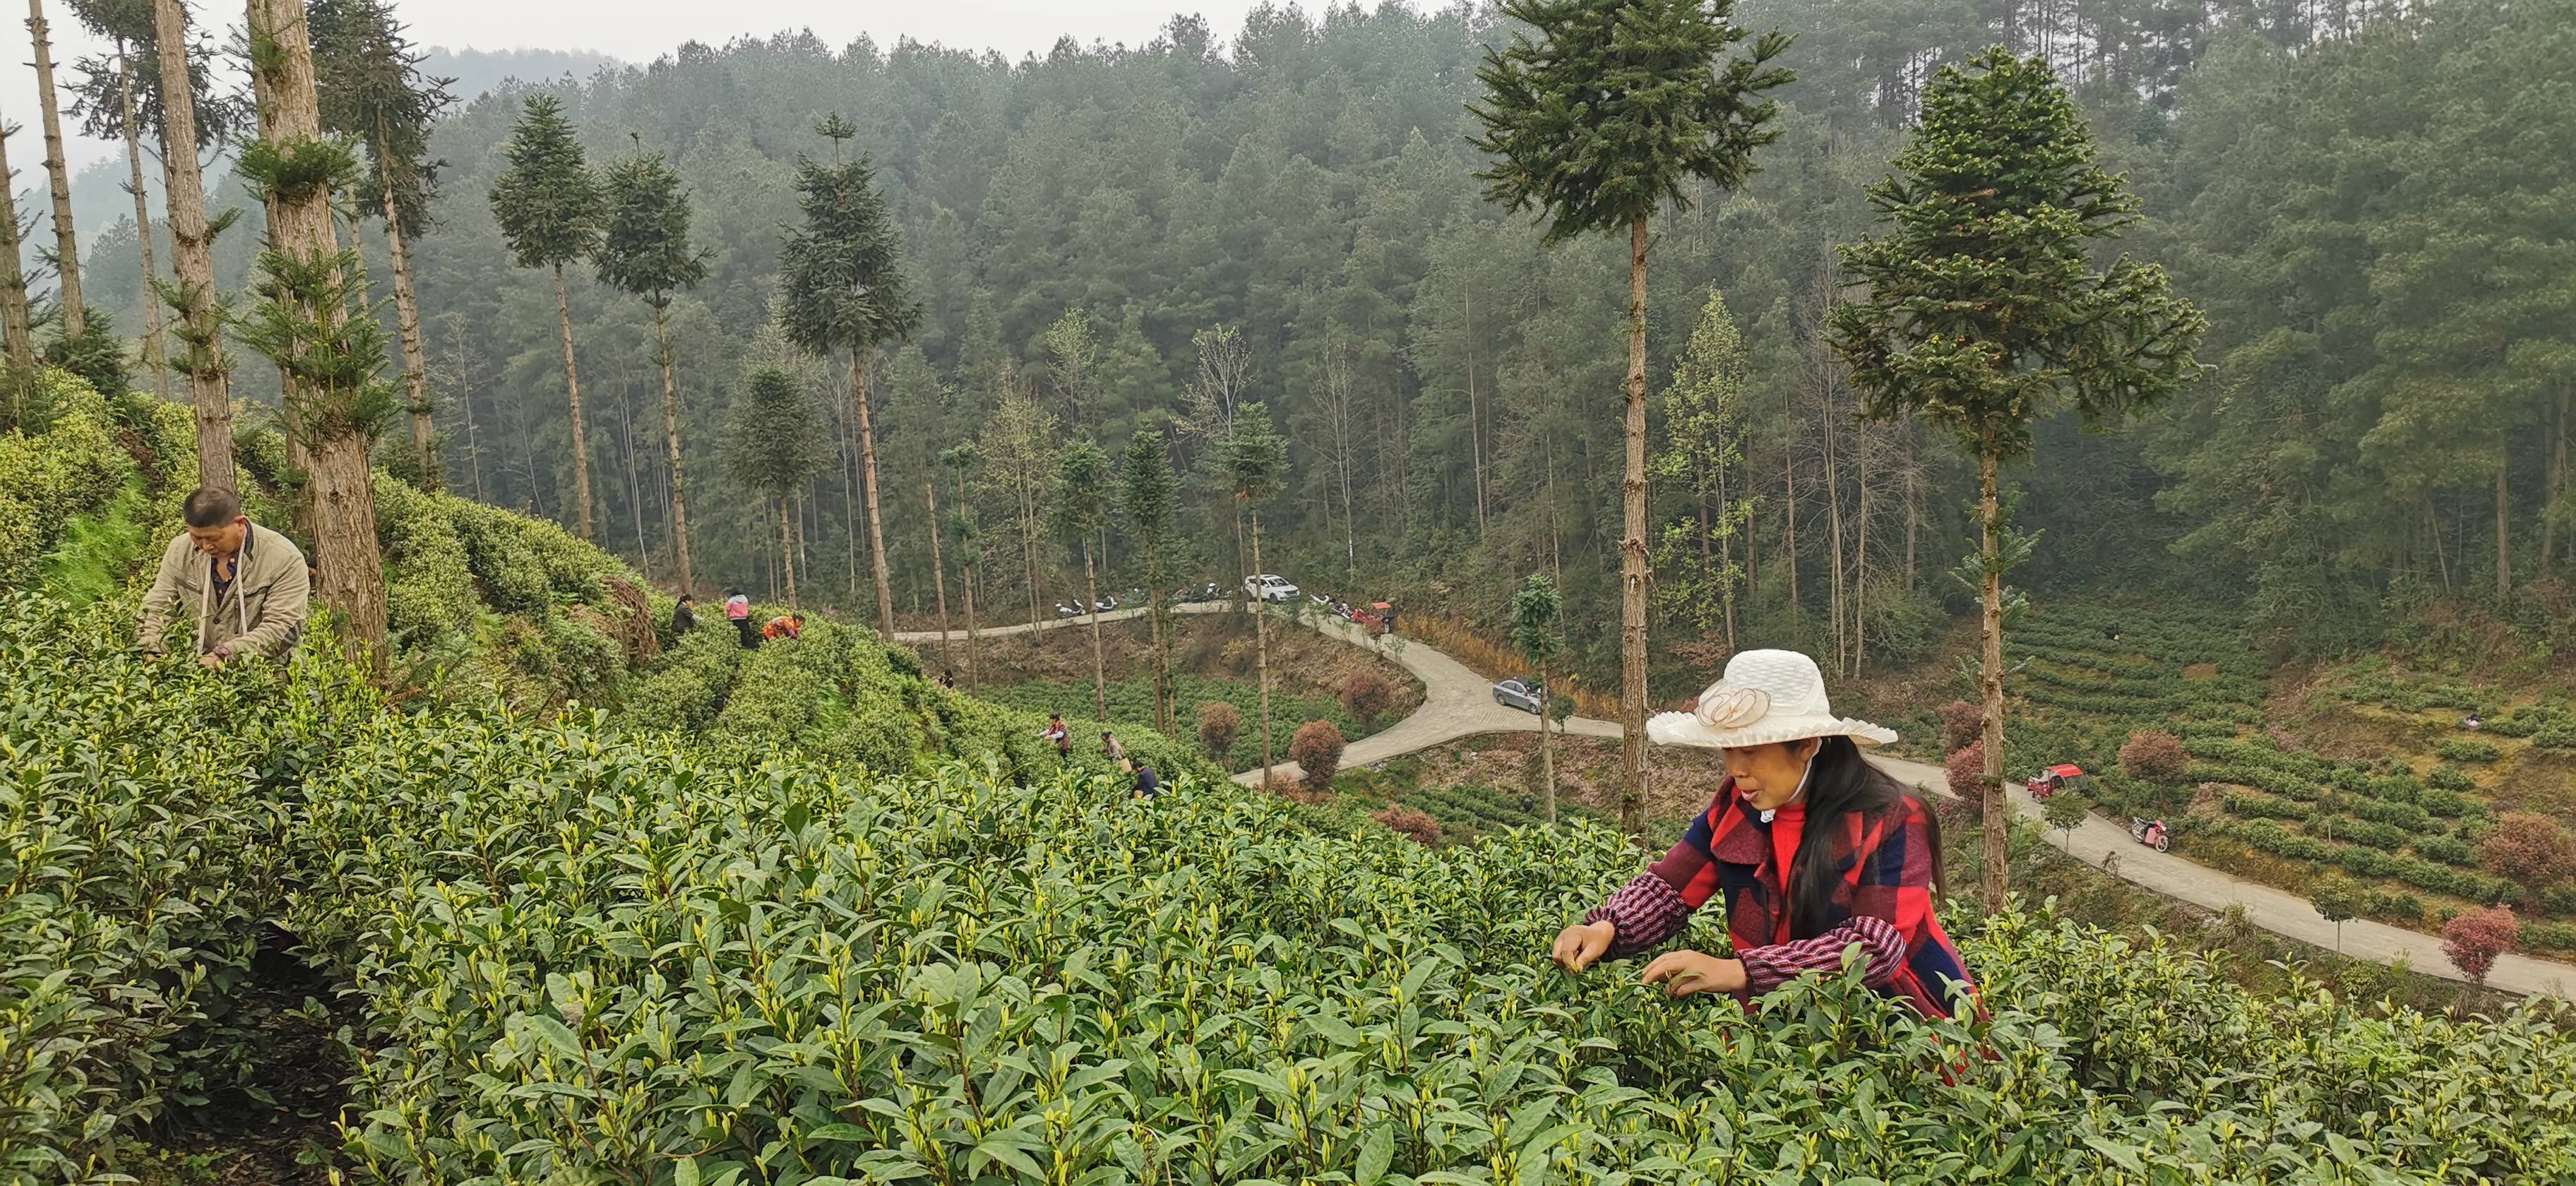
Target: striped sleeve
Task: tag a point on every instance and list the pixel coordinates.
(1767, 968)
(1655, 905)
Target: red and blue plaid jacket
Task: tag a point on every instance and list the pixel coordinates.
(1883, 902)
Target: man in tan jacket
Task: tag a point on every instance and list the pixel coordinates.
(247, 585)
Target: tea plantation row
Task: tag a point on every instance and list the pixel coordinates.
(590, 953)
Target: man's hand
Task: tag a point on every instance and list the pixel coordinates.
(1583, 944)
(1683, 973)
(213, 658)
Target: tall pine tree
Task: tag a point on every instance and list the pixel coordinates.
(1984, 314)
(187, 124)
(1149, 494)
(775, 444)
(1601, 118)
(549, 207)
(842, 275)
(1255, 465)
(373, 91)
(1081, 512)
(311, 323)
(645, 251)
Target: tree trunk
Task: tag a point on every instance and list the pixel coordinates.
(938, 567)
(1029, 541)
(1162, 652)
(868, 483)
(1834, 586)
(2504, 528)
(1860, 559)
(2554, 484)
(1726, 550)
(192, 259)
(1990, 682)
(17, 323)
(1546, 744)
(66, 240)
(787, 549)
(154, 357)
(671, 438)
(1261, 647)
(1913, 505)
(966, 577)
(1789, 547)
(572, 386)
(1475, 421)
(1099, 665)
(342, 497)
(1632, 558)
(415, 358)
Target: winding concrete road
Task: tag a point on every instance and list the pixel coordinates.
(1457, 702)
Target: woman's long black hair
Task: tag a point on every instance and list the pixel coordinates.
(1841, 783)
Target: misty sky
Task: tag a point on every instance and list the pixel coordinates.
(637, 30)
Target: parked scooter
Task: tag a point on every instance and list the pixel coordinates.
(1066, 611)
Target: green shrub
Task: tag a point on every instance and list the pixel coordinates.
(2463, 749)
(2449, 779)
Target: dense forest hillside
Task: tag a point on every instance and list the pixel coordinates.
(2371, 203)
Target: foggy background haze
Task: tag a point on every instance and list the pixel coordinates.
(634, 31)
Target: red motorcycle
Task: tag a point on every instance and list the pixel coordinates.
(2151, 832)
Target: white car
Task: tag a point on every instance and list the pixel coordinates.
(1269, 586)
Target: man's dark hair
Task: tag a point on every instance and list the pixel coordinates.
(685, 599)
(210, 506)
(1104, 735)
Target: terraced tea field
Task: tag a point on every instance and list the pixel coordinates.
(2404, 816)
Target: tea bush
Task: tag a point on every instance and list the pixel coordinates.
(2463, 749)
(591, 951)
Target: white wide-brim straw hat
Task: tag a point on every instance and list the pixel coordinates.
(1765, 697)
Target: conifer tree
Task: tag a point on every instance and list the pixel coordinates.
(310, 323)
(775, 444)
(1536, 609)
(1255, 464)
(1606, 115)
(1149, 493)
(1705, 420)
(1984, 314)
(67, 271)
(549, 207)
(645, 251)
(186, 124)
(17, 322)
(842, 274)
(970, 547)
(105, 105)
(374, 92)
(1081, 512)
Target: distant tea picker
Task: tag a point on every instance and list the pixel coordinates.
(1815, 851)
(246, 587)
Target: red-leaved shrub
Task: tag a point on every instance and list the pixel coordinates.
(1367, 695)
(1318, 748)
(1967, 769)
(2153, 756)
(1219, 725)
(2531, 851)
(1414, 825)
(1961, 723)
(2474, 939)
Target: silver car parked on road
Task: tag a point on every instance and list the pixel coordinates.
(1524, 695)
